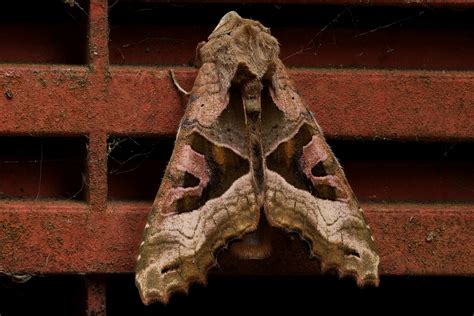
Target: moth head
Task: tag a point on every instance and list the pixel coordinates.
(231, 21)
(238, 43)
(227, 23)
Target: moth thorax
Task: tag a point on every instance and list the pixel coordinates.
(251, 91)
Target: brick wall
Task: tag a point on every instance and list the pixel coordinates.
(88, 114)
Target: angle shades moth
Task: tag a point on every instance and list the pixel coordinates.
(247, 147)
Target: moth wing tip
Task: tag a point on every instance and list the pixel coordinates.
(368, 280)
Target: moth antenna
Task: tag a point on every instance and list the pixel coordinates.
(177, 85)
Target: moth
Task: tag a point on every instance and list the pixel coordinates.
(248, 147)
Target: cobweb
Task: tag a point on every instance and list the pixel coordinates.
(129, 154)
(347, 17)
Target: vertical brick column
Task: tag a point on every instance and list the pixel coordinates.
(96, 299)
(98, 35)
(97, 171)
(98, 60)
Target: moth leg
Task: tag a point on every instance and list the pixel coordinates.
(177, 85)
